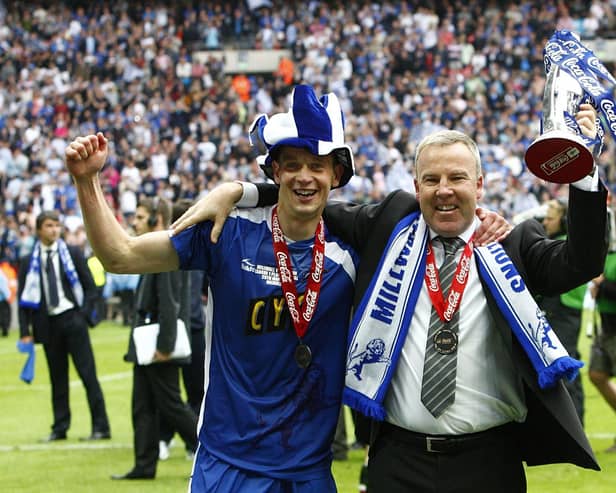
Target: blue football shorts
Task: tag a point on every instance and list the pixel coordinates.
(211, 475)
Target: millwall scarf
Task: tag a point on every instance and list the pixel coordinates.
(383, 317)
(31, 295)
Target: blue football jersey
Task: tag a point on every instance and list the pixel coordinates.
(261, 411)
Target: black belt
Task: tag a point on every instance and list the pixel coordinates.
(446, 443)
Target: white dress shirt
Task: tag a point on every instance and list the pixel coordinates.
(488, 390)
(64, 303)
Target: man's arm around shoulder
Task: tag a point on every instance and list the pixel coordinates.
(355, 223)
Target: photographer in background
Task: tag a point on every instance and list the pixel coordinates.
(564, 311)
(602, 365)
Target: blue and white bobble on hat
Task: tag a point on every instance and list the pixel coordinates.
(311, 123)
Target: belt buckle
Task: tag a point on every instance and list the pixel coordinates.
(432, 441)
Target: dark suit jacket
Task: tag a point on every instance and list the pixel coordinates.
(162, 298)
(552, 431)
(39, 319)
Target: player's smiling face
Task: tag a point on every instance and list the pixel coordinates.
(305, 181)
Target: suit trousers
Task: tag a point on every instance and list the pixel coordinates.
(403, 462)
(69, 334)
(5, 317)
(193, 375)
(156, 396)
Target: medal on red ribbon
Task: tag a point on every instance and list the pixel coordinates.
(300, 315)
(447, 307)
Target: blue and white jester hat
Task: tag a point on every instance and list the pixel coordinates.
(314, 124)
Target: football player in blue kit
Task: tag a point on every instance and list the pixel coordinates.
(281, 289)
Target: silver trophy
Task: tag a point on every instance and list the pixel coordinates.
(559, 155)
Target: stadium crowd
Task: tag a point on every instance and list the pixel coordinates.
(178, 123)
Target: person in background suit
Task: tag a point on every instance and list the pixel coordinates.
(193, 372)
(564, 311)
(602, 366)
(475, 438)
(56, 298)
(163, 298)
(5, 306)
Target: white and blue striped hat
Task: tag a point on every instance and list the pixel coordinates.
(311, 123)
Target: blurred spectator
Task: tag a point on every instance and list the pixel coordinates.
(9, 240)
(241, 85)
(5, 307)
(285, 70)
(99, 277)
(564, 311)
(123, 286)
(603, 351)
(151, 77)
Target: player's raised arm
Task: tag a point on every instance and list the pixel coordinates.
(117, 251)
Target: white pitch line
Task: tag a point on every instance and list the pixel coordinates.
(68, 445)
(38, 447)
(601, 435)
(65, 446)
(11, 349)
(73, 383)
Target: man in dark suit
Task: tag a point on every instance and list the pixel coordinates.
(56, 298)
(499, 416)
(161, 298)
(476, 437)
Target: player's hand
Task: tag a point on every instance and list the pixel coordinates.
(595, 284)
(86, 156)
(215, 206)
(493, 227)
(586, 118)
(161, 357)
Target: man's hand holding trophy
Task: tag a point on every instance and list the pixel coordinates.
(572, 133)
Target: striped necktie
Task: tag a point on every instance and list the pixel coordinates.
(440, 360)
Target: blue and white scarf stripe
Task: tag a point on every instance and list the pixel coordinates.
(533, 331)
(375, 343)
(320, 121)
(565, 50)
(378, 334)
(31, 294)
(336, 121)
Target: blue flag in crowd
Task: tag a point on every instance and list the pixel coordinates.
(27, 372)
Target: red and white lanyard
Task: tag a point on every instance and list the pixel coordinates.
(301, 316)
(447, 308)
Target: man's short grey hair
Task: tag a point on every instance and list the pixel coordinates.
(446, 138)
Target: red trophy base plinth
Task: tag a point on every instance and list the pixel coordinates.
(559, 157)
